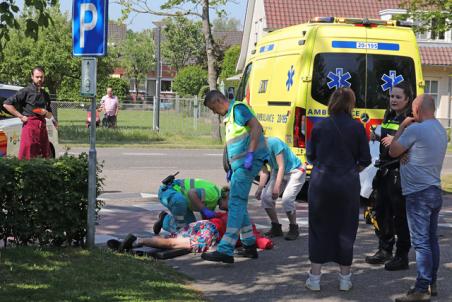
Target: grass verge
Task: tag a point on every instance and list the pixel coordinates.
(71, 274)
(135, 128)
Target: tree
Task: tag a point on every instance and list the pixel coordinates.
(199, 8)
(38, 16)
(231, 56)
(183, 42)
(189, 80)
(136, 55)
(52, 50)
(226, 24)
(432, 15)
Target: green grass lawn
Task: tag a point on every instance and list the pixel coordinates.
(135, 128)
(446, 183)
(72, 274)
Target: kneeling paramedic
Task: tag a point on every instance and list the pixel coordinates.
(247, 151)
(183, 196)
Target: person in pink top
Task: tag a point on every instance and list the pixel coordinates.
(110, 106)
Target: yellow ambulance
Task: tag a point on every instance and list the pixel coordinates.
(293, 71)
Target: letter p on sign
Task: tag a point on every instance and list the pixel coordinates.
(89, 27)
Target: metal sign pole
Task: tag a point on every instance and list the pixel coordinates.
(92, 178)
(88, 88)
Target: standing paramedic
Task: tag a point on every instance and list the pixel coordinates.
(34, 102)
(247, 152)
(425, 140)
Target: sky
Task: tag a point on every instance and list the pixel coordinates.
(235, 9)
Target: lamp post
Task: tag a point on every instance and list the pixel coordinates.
(156, 123)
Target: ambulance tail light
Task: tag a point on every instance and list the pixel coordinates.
(299, 129)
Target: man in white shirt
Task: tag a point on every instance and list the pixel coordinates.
(110, 106)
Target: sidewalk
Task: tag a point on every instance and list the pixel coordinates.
(279, 274)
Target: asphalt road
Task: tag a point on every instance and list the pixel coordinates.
(140, 170)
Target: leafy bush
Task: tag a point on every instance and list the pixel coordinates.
(189, 80)
(45, 201)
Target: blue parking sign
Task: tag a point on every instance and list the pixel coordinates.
(89, 27)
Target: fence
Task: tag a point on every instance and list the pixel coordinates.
(177, 115)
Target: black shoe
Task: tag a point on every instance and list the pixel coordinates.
(433, 290)
(248, 251)
(113, 244)
(159, 223)
(275, 231)
(414, 296)
(380, 257)
(293, 232)
(217, 257)
(127, 243)
(397, 263)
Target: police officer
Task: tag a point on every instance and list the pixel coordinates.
(390, 204)
(182, 197)
(247, 152)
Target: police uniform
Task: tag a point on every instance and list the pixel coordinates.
(237, 141)
(34, 140)
(175, 197)
(390, 203)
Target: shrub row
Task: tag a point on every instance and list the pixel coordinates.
(45, 201)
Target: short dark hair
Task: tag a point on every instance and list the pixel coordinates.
(342, 100)
(38, 68)
(213, 96)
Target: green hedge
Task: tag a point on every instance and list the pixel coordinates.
(45, 201)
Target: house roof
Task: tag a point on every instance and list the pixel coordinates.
(228, 38)
(436, 55)
(285, 13)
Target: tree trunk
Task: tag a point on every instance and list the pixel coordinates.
(211, 63)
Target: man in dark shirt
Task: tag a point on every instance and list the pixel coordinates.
(34, 103)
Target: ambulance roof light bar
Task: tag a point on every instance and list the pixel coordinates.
(361, 22)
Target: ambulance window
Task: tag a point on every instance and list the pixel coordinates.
(241, 91)
(381, 70)
(333, 70)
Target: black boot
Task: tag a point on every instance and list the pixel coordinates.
(275, 231)
(248, 251)
(159, 223)
(380, 257)
(397, 263)
(293, 232)
(113, 244)
(127, 243)
(217, 257)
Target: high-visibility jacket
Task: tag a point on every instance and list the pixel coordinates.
(238, 139)
(210, 193)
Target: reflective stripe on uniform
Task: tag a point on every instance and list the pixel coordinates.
(232, 230)
(390, 126)
(229, 240)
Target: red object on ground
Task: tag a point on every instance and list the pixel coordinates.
(220, 222)
(34, 141)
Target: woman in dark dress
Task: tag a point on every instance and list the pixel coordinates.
(339, 150)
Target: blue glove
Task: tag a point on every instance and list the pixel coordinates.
(207, 214)
(229, 175)
(248, 163)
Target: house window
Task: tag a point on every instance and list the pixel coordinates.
(166, 85)
(431, 87)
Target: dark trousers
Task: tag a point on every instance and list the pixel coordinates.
(391, 214)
